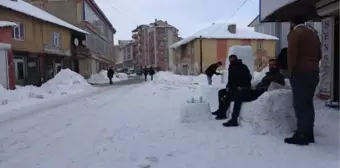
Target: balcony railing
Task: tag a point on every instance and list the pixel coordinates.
(80, 51)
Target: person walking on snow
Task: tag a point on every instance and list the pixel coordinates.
(211, 71)
(304, 54)
(110, 73)
(239, 78)
(145, 72)
(151, 72)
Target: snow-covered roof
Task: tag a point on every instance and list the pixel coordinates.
(28, 9)
(220, 31)
(7, 24)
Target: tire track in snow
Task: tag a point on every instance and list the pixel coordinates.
(53, 122)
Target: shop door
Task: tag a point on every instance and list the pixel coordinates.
(3, 68)
(75, 66)
(20, 71)
(33, 72)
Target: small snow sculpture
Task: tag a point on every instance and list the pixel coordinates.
(195, 110)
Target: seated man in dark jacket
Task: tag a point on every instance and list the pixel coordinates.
(247, 95)
(211, 70)
(239, 77)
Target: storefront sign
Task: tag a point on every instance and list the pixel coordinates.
(55, 50)
(327, 53)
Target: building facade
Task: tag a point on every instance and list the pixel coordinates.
(187, 52)
(280, 30)
(152, 44)
(41, 43)
(88, 16)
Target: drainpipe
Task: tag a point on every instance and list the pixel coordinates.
(201, 56)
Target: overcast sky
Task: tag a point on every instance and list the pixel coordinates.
(188, 16)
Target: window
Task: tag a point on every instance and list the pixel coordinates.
(261, 29)
(259, 44)
(56, 39)
(18, 32)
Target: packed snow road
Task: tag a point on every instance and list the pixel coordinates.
(137, 126)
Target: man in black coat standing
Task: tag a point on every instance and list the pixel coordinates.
(211, 71)
(110, 73)
(239, 78)
(151, 72)
(248, 95)
(145, 72)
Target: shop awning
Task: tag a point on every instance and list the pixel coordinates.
(285, 10)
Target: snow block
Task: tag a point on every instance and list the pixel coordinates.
(195, 111)
(210, 94)
(271, 113)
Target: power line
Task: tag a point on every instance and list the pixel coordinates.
(116, 9)
(244, 2)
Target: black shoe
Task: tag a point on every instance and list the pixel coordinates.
(216, 112)
(298, 139)
(310, 137)
(219, 117)
(230, 123)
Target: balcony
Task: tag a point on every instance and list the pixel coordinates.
(135, 36)
(80, 51)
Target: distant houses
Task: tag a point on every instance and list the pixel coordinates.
(214, 42)
(40, 42)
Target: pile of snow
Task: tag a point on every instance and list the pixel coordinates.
(101, 77)
(271, 113)
(65, 82)
(183, 80)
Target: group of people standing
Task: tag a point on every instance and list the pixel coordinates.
(150, 71)
(299, 62)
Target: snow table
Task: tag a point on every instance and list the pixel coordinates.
(195, 111)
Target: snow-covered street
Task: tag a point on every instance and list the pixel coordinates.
(138, 126)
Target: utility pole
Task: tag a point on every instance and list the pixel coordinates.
(201, 56)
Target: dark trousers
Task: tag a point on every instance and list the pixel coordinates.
(151, 77)
(146, 77)
(246, 95)
(110, 81)
(224, 99)
(303, 88)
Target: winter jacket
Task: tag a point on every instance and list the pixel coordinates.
(145, 71)
(269, 78)
(151, 71)
(110, 73)
(282, 59)
(211, 70)
(304, 50)
(238, 76)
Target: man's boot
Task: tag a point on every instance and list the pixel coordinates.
(298, 139)
(231, 123)
(221, 117)
(216, 112)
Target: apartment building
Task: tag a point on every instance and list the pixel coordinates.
(125, 55)
(152, 43)
(41, 44)
(87, 15)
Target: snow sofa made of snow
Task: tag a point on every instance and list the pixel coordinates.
(271, 113)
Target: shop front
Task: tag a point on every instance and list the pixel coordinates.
(326, 11)
(26, 68)
(54, 60)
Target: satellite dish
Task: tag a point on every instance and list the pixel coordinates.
(76, 42)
